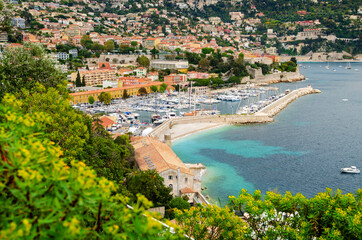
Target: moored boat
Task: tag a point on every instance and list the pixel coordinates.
(352, 169)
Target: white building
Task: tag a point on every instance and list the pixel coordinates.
(141, 71)
(164, 64)
(74, 52)
(152, 154)
(18, 22)
(63, 55)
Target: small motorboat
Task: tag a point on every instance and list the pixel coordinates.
(352, 169)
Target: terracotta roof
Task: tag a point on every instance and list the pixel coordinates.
(115, 89)
(160, 154)
(105, 121)
(187, 190)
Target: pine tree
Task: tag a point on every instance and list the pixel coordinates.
(83, 81)
(78, 82)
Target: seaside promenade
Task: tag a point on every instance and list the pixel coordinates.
(179, 127)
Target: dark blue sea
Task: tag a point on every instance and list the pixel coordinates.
(301, 151)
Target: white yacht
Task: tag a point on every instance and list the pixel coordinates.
(352, 169)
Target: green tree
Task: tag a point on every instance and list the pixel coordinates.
(234, 80)
(179, 203)
(97, 47)
(67, 128)
(106, 157)
(109, 46)
(163, 87)
(105, 97)
(328, 215)
(154, 88)
(46, 198)
(83, 80)
(154, 52)
(134, 44)
(86, 41)
(23, 67)
(142, 91)
(204, 64)
(91, 100)
(178, 50)
(207, 50)
(5, 17)
(78, 82)
(150, 185)
(125, 94)
(143, 61)
(212, 222)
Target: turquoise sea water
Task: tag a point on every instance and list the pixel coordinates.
(301, 151)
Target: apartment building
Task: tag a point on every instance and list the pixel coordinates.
(181, 66)
(95, 77)
(82, 97)
(175, 79)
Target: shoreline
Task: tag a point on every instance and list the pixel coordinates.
(177, 138)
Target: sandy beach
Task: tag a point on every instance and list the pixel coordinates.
(182, 130)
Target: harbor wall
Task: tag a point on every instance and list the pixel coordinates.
(165, 127)
(275, 107)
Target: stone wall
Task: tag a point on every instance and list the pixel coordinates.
(161, 130)
(279, 77)
(274, 108)
(120, 58)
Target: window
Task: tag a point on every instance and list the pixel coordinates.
(186, 180)
(170, 177)
(170, 186)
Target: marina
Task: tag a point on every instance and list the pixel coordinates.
(137, 113)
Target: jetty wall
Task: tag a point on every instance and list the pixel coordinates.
(275, 107)
(161, 130)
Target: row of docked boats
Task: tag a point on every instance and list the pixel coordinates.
(259, 105)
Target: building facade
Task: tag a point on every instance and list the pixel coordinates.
(152, 154)
(181, 66)
(96, 77)
(175, 79)
(82, 97)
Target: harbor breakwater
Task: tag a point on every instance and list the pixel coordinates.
(263, 116)
(275, 107)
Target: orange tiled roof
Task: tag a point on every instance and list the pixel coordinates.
(115, 89)
(161, 155)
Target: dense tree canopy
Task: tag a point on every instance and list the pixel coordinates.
(22, 67)
(143, 61)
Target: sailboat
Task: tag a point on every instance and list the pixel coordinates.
(348, 65)
(327, 67)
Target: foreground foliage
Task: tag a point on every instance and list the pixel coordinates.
(23, 67)
(45, 198)
(328, 215)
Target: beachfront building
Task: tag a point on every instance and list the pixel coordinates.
(82, 97)
(95, 77)
(176, 79)
(152, 154)
(181, 66)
